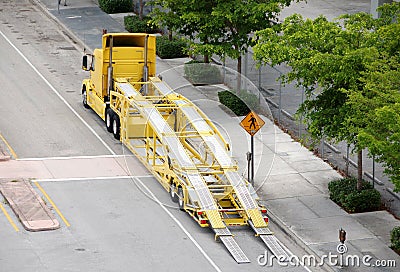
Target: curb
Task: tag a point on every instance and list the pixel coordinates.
(296, 239)
(4, 155)
(393, 193)
(18, 195)
(78, 44)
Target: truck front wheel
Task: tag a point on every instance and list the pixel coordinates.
(109, 119)
(116, 126)
(84, 98)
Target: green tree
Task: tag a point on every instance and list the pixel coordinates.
(379, 104)
(165, 14)
(375, 109)
(331, 61)
(221, 27)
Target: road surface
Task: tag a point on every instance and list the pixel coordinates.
(113, 224)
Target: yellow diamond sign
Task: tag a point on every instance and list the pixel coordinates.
(252, 123)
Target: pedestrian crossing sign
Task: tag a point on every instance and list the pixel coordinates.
(252, 123)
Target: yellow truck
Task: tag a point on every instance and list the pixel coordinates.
(173, 138)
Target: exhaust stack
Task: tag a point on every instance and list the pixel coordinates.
(145, 66)
(110, 70)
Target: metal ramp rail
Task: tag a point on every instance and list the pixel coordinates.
(177, 151)
(173, 147)
(257, 221)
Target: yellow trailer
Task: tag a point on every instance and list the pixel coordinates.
(173, 138)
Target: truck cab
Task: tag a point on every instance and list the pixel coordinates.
(123, 56)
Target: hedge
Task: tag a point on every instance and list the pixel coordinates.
(167, 49)
(199, 73)
(395, 238)
(133, 24)
(344, 192)
(116, 6)
(238, 105)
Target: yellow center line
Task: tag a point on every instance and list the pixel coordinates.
(8, 217)
(9, 147)
(52, 203)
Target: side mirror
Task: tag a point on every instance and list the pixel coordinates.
(85, 63)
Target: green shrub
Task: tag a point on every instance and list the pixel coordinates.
(363, 201)
(344, 192)
(395, 238)
(251, 100)
(199, 73)
(167, 49)
(116, 6)
(133, 24)
(238, 105)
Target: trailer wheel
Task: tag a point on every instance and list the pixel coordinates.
(116, 126)
(84, 97)
(109, 119)
(181, 202)
(172, 193)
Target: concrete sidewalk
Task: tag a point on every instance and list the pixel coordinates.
(290, 179)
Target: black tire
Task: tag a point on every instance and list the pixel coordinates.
(109, 119)
(174, 196)
(181, 202)
(116, 125)
(84, 98)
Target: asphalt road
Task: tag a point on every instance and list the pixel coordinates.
(34, 119)
(114, 223)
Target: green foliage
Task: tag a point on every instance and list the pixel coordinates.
(199, 73)
(233, 103)
(218, 26)
(134, 25)
(116, 6)
(240, 104)
(327, 60)
(167, 49)
(382, 137)
(350, 71)
(344, 192)
(395, 238)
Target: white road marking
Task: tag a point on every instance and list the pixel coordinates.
(136, 178)
(75, 157)
(214, 265)
(57, 93)
(91, 178)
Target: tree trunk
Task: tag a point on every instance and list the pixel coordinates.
(206, 58)
(239, 64)
(170, 35)
(239, 77)
(141, 7)
(360, 170)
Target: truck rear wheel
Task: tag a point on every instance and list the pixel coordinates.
(116, 126)
(84, 98)
(181, 202)
(109, 119)
(172, 193)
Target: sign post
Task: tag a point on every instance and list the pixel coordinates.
(252, 123)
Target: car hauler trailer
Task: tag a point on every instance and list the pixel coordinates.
(173, 138)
